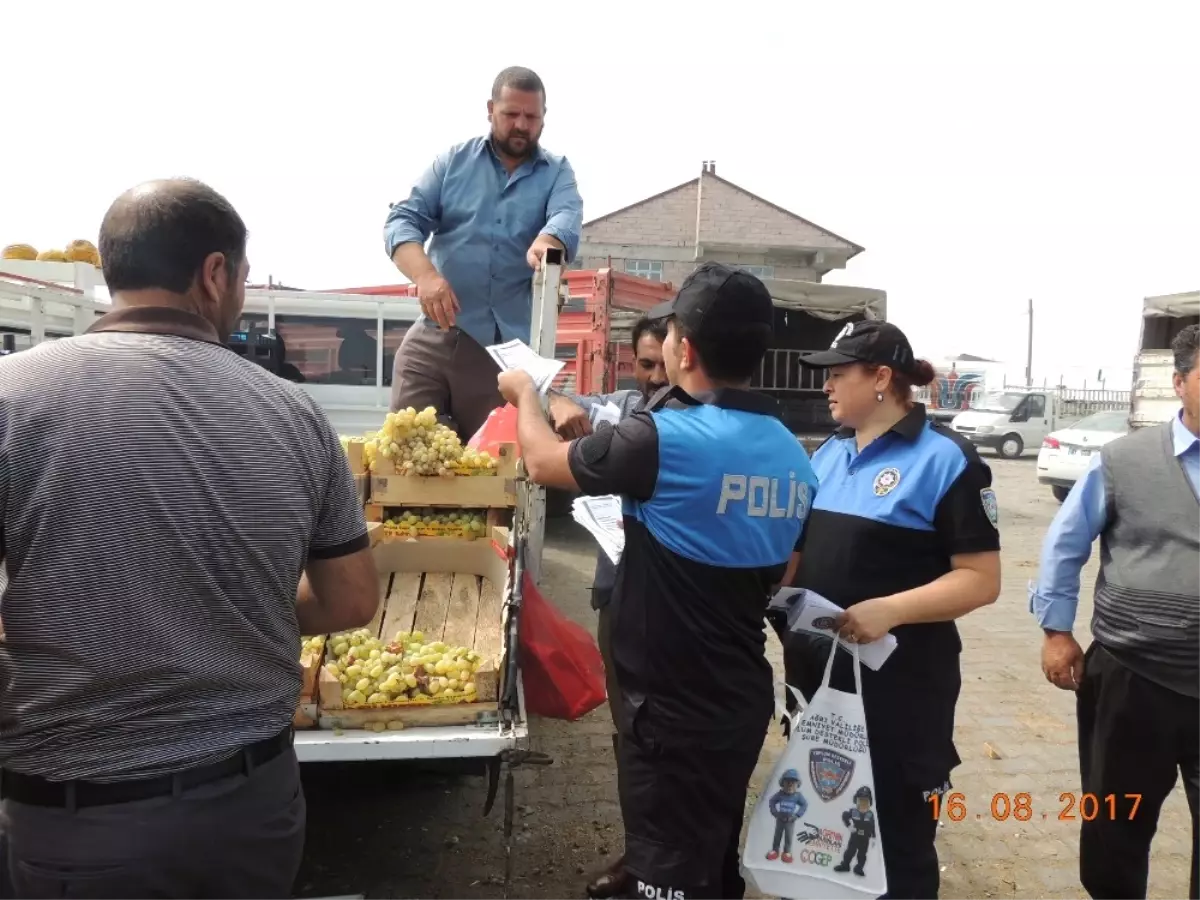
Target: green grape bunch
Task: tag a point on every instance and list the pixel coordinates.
(458, 523)
(407, 669)
(312, 646)
(417, 444)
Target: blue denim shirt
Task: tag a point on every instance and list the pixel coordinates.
(482, 221)
(1054, 598)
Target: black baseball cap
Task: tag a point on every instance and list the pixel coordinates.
(716, 298)
(877, 343)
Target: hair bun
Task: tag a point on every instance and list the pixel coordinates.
(923, 373)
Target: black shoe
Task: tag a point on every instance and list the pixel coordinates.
(858, 871)
(841, 867)
(609, 883)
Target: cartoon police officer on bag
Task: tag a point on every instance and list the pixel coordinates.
(786, 806)
(861, 822)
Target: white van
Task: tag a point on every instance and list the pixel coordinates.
(1013, 420)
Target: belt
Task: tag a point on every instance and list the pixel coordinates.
(35, 790)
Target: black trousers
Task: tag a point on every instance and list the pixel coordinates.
(1134, 735)
(683, 806)
(604, 642)
(910, 762)
(240, 836)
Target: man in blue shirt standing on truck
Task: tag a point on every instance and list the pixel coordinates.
(493, 205)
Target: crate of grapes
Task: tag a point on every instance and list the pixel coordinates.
(416, 462)
(434, 655)
(419, 524)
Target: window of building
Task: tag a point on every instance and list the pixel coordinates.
(759, 271)
(651, 269)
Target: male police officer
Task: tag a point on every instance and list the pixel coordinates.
(716, 492)
(571, 417)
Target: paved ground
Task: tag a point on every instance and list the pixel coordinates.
(401, 831)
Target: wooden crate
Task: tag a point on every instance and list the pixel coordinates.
(310, 671)
(362, 486)
(452, 591)
(354, 456)
(494, 491)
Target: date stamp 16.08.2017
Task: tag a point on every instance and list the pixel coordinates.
(1002, 806)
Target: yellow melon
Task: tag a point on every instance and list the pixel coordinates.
(83, 251)
(52, 256)
(19, 251)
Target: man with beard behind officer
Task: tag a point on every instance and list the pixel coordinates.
(493, 205)
(716, 491)
(571, 419)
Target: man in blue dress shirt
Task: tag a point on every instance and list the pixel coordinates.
(493, 206)
(1139, 682)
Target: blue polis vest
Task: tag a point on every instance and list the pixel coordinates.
(734, 487)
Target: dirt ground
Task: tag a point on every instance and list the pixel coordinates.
(401, 830)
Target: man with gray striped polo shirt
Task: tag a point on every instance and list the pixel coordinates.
(173, 517)
(1139, 682)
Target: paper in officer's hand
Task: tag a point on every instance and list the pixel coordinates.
(810, 612)
(517, 354)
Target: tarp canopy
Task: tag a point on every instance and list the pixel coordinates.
(827, 301)
(1173, 305)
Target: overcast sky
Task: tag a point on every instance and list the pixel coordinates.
(1045, 150)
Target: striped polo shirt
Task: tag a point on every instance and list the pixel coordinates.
(159, 496)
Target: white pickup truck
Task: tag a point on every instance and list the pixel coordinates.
(48, 300)
(1014, 420)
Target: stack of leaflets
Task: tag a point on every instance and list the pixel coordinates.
(609, 412)
(602, 517)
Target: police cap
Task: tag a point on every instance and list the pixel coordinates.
(716, 298)
(877, 343)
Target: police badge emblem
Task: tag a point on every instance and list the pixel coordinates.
(829, 771)
(990, 507)
(886, 481)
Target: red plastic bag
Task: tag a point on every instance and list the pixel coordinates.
(562, 667)
(500, 427)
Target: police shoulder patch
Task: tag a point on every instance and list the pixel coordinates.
(595, 446)
(990, 507)
(886, 481)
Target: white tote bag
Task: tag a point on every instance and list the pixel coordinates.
(814, 832)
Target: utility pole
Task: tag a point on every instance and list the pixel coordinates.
(1029, 349)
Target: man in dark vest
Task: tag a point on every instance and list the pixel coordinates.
(1137, 683)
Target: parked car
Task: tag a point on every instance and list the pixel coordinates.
(1065, 454)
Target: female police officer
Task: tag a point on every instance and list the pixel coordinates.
(902, 535)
